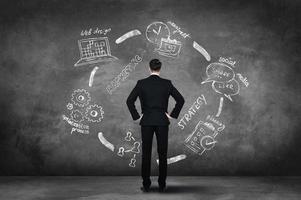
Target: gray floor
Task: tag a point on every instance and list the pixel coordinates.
(217, 188)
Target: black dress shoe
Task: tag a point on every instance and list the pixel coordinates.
(144, 189)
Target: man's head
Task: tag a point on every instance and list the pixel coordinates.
(155, 65)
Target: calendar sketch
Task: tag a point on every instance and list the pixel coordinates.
(94, 50)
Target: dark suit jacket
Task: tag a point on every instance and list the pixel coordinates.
(154, 93)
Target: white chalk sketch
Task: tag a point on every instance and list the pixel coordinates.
(88, 32)
(92, 76)
(94, 50)
(69, 106)
(222, 78)
(105, 142)
(178, 30)
(133, 161)
(202, 138)
(201, 100)
(94, 113)
(221, 100)
(80, 97)
(200, 49)
(127, 36)
(220, 125)
(244, 80)
(156, 31)
(135, 149)
(227, 61)
(79, 131)
(129, 136)
(169, 48)
(120, 151)
(77, 116)
(115, 83)
(78, 127)
(174, 159)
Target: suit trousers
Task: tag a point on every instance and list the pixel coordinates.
(162, 146)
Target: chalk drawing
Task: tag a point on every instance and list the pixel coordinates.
(221, 126)
(244, 80)
(178, 30)
(201, 100)
(220, 107)
(80, 97)
(115, 83)
(200, 49)
(135, 149)
(94, 50)
(92, 76)
(78, 127)
(129, 136)
(120, 151)
(228, 89)
(79, 131)
(90, 31)
(133, 161)
(94, 113)
(227, 61)
(127, 36)
(169, 48)
(174, 159)
(156, 31)
(77, 116)
(105, 142)
(202, 138)
(69, 106)
(222, 78)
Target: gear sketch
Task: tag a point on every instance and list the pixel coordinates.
(81, 97)
(94, 113)
(77, 116)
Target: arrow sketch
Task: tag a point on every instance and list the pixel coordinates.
(200, 49)
(221, 101)
(127, 36)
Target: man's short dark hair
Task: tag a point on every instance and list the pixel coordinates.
(155, 65)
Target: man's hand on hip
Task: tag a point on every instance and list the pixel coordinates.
(169, 117)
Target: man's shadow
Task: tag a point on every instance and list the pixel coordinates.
(172, 189)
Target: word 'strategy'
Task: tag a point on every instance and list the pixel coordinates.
(174, 159)
(134, 150)
(115, 83)
(178, 30)
(191, 111)
(127, 36)
(105, 142)
(94, 50)
(90, 31)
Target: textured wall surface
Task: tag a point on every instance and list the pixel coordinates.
(249, 103)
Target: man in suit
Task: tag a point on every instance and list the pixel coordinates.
(153, 93)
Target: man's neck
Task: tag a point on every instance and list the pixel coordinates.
(155, 73)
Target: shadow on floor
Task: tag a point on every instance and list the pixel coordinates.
(183, 189)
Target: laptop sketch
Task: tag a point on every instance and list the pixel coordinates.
(94, 50)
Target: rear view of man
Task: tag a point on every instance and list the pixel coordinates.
(153, 93)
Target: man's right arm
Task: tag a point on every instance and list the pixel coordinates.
(179, 102)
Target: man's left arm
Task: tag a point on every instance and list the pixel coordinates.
(131, 102)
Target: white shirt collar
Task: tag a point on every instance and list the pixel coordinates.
(155, 73)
